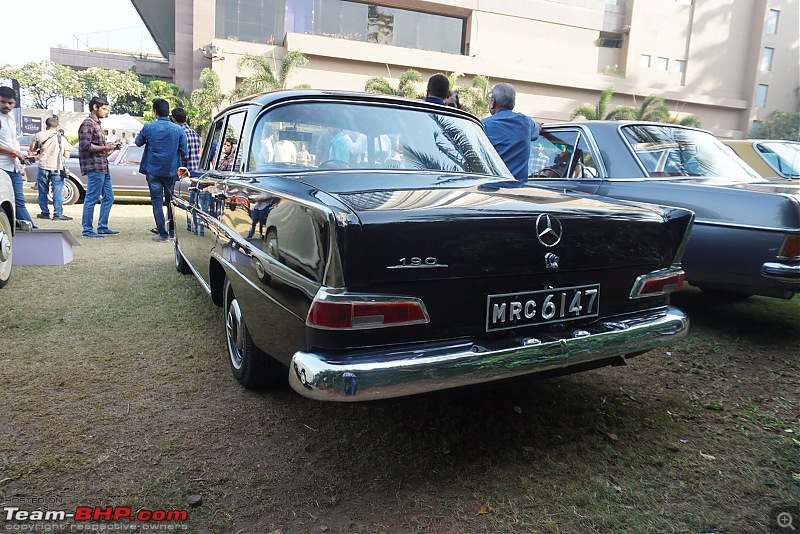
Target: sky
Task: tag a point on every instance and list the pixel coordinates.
(29, 33)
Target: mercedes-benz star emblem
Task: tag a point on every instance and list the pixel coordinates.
(548, 230)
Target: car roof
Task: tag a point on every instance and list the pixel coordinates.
(273, 97)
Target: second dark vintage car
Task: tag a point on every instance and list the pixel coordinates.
(746, 236)
(123, 164)
(377, 247)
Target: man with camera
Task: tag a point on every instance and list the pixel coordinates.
(52, 149)
(11, 157)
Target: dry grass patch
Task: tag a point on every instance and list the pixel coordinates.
(117, 391)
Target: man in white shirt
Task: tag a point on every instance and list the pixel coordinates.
(11, 157)
(285, 152)
(112, 137)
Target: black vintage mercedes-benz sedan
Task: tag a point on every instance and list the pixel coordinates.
(378, 247)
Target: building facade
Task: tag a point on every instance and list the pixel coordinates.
(729, 62)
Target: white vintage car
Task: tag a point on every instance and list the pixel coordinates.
(7, 223)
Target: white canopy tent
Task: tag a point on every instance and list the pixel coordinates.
(121, 123)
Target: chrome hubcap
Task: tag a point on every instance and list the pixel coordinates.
(5, 246)
(272, 248)
(233, 329)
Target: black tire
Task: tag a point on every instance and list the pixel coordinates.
(180, 262)
(250, 366)
(6, 248)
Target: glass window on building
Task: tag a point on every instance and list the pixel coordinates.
(250, 20)
(644, 61)
(766, 59)
(772, 21)
(761, 95)
(680, 65)
(755, 128)
(268, 22)
(662, 63)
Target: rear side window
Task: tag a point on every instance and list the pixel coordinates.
(212, 147)
(561, 154)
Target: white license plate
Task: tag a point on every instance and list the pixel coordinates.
(515, 310)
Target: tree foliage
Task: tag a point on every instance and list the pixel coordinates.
(111, 84)
(264, 77)
(44, 82)
(406, 87)
(205, 101)
(170, 92)
(780, 125)
(653, 109)
(475, 98)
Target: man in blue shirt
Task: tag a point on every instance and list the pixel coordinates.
(510, 132)
(164, 145)
(438, 89)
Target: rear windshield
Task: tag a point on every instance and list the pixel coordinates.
(673, 151)
(305, 136)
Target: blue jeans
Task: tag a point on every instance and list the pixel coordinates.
(98, 190)
(161, 195)
(17, 181)
(43, 180)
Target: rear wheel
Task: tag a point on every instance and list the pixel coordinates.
(251, 367)
(71, 193)
(180, 262)
(6, 251)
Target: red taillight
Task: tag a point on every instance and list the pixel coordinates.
(342, 313)
(658, 283)
(790, 247)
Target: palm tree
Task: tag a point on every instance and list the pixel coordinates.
(406, 87)
(264, 78)
(689, 120)
(594, 113)
(653, 109)
(206, 100)
(475, 99)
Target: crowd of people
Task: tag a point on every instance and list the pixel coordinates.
(169, 143)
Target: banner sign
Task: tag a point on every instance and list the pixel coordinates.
(31, 125)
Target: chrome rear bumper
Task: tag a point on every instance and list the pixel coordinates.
(783, 272)
(410, 370)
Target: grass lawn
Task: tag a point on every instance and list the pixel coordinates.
(116, 392)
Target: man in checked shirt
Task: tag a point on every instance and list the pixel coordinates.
(192, 160)
(93, 155)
